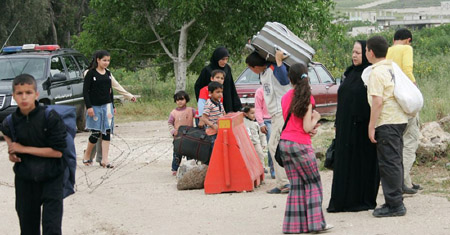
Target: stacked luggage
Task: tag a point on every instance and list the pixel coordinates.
(276, 36)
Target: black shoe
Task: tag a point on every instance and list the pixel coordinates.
(387, 211)
(416, 187)
(407, 190)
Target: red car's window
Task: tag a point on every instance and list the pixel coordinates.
(324, 76)
(313, 79)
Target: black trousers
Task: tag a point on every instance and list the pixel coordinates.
(390, 161)
(30, 196)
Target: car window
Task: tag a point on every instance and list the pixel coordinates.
(56, 66)
(82, 62)
(72, 67)
(10, 68)
(313, 79)
(324, 75)
(248, 77)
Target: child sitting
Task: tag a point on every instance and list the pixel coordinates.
(216, 76)
(180, 116)
(213, 109)
(256, 136)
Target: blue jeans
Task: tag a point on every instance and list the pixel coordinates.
(268, 124)
(176, 161)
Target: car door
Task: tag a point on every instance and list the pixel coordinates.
(59, 91)
(318, 90)
(331, 88)
(75, 77)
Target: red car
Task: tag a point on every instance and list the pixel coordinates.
(323, 86)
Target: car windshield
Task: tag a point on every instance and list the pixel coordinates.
(248, 77)
(10, 68)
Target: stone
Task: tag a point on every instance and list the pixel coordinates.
(433, 141)
(191, 175)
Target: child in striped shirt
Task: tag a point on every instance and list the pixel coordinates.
(213, 109)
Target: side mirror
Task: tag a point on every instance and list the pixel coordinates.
(58, 77)
(338, 81)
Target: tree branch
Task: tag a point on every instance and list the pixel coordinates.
(197, 50)
(152, 26)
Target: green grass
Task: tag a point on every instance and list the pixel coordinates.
(433, 79)
(345, 4)
(349, 4)
(409, 4)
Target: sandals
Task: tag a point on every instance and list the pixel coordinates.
(87, 162)
(106, 165)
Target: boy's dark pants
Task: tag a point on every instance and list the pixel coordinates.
(30, 196)
(390, 160)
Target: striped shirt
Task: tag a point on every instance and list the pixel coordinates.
(213, 110)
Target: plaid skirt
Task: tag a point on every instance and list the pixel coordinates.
(304, 202)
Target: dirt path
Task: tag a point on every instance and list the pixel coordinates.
(139, 196)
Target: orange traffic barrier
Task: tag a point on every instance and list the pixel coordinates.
(234, 165)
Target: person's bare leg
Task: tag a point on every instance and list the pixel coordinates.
(87, 155)
(105, 152)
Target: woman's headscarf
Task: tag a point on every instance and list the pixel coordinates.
(217, 55)
(365, 63)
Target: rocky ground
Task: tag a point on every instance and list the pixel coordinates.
(139, 196)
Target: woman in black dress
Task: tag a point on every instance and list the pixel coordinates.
(355, 171)
(219, 60)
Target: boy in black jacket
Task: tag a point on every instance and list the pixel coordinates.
(36, 147)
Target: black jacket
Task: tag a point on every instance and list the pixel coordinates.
(37, 131)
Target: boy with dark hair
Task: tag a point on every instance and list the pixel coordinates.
(386, 126)
(213, 108)
(217, 75)
(180, 116)
(275, 83)
(401, 53)
(35, 145)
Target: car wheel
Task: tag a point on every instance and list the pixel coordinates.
(81, 118)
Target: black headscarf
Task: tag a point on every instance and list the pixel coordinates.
(365, 63)
(231, 101)
(218, 54)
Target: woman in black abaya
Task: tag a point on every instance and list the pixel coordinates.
(355, 171)
(219, 59)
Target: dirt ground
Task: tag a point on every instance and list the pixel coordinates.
(139, 196)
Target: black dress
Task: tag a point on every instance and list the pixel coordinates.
(355, 172)
(231, 101)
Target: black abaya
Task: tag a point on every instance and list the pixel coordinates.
(231, 101)
(355, 172)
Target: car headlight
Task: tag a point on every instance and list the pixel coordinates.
(13, 102)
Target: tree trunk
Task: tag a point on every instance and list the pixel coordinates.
(181, 65)
(54, 32)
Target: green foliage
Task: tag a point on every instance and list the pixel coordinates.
(128, 35)
(37, 18)
(156, 95)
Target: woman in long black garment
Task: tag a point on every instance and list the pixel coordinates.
(355, 175)
(219, 60)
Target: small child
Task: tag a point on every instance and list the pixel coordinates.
(180, 116)
(213, 109)
(35, 145)
(256, 136)
(216, 76)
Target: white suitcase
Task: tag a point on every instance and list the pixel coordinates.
(274, 36)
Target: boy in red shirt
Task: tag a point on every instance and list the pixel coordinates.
(216, 76)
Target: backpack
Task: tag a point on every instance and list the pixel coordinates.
(69, 156)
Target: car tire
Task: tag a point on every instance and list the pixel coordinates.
(81, 118)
